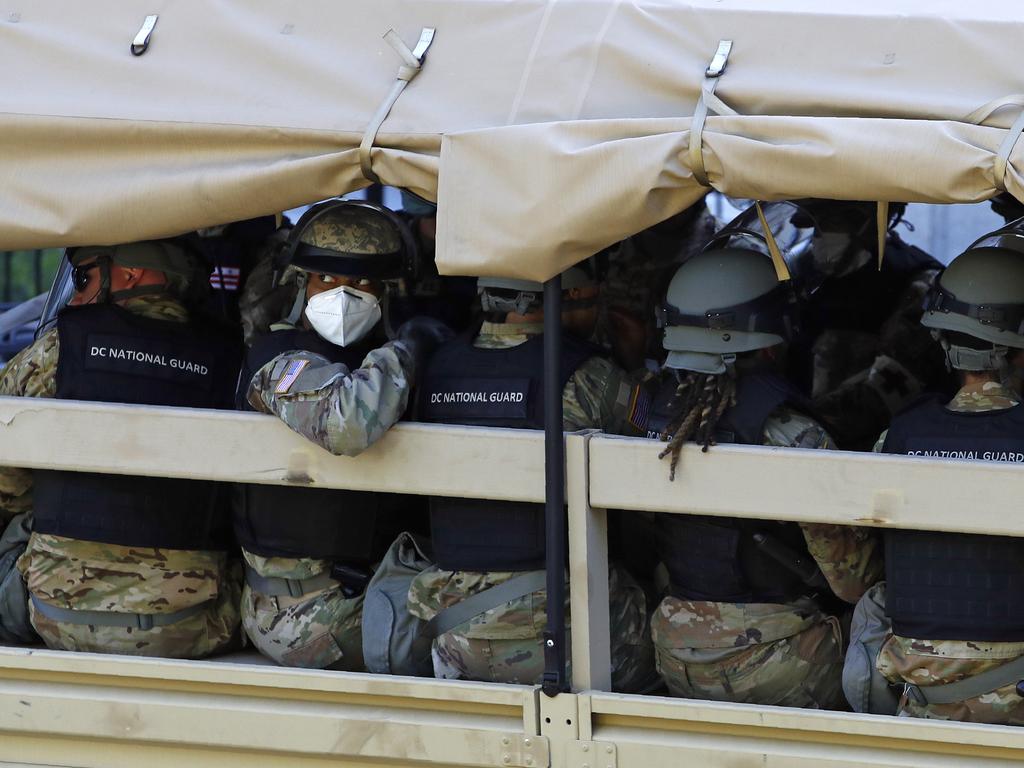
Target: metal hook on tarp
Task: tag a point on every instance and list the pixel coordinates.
(141, 42)
(412, 63)
(705, 102)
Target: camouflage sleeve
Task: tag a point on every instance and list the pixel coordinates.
(343, 411)
(30, 373)
(849, 557)
(598, 397)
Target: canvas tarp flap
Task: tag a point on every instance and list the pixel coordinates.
(558, 193)
(247, 107)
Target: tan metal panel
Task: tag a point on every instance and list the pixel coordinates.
(51, 700)
(650, 732)
(588, 575)
(256, 448)
(813, 486)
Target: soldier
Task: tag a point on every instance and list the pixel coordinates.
(483, 545)
(331, 374)
(957, 640)
(120, 564)
(860, 361)
(748, 616)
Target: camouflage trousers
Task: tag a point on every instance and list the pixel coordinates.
(322, 630)
(215, 630)
(504, 644)
(754, 653)
(924, 663)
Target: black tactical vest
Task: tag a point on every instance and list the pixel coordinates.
(286, 521)
(718, 558)
(956, 586)
(108, 354)
(493, 388)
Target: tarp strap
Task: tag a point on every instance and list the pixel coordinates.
(141, 42)
(705, 102)
(412, 63)
(781, 269)
(883, 229)
(985, 111)
(1003, 155)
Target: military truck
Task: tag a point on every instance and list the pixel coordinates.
(546, 131)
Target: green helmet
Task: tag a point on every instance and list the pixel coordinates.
(507, 294)
(350, 237)
(981, 294)
(184, 269)
(721, 303)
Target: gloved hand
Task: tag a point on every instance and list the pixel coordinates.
(421, 335)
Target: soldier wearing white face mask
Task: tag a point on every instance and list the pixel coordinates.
(331, 374)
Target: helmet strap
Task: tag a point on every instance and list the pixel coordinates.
(300, 299)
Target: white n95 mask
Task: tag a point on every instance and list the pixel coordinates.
(343, 315)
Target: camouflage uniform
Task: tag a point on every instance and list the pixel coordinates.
(934, 662)
(344, 413)
(766, 653)
(504, 644)
(84, 575)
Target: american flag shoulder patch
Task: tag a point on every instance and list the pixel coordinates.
(291, 373)
(639, 407)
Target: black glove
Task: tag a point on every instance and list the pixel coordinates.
(421, 335)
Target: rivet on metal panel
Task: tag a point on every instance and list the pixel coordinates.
(579, 752)
(520, 751)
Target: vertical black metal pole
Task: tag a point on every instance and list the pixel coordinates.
(554, 480)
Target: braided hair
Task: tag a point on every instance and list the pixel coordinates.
(701, 399)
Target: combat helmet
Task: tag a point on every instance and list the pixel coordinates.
(186, 271)
(346, 237)
(721, 303)
(981, 295)
(505, 294)
(350, 237)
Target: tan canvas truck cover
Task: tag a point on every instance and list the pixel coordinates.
(572, 115)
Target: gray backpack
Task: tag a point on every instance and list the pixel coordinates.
(394, 641)
(15, 626)
(864, 686)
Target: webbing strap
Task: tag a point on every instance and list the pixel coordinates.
(1003, 155)
(705, 102)
(474, 605)
(781, 268)
(969, 688)
(882, 220)
(275, 587)
(114, 618)
(412, 62)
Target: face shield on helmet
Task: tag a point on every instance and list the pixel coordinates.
(352, 239)
(721, 303)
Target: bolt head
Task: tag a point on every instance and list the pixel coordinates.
(529, 760)
(586, 747)
(550, 643)
(609, 750)
(506, 741)
(527, 742)
(506, 759)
